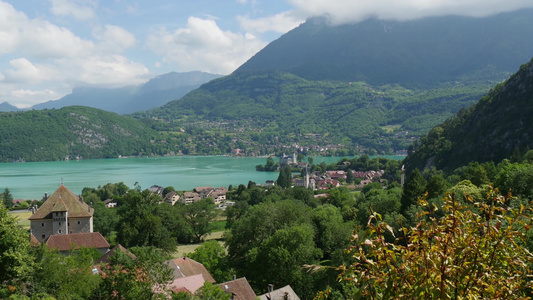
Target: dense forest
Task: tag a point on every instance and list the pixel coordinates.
(496, 127)
(70, 133)
(265, 108)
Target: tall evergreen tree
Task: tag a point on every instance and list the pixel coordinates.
(7, 198)
(285, 177)
(414, 188)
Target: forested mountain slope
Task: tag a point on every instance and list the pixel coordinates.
(491, 130)
(275, 104)
(70, 132)
(413, 53)
(373, 86)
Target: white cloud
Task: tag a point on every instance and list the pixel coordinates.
(281, 23)
(24, 71)
(49, 94)
(353, 11)
(202, 45)
(53, 58)
(79, 9)
(114, 39)
(110, 71)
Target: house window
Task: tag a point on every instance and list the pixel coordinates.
(60, 231)
(43, 236)
(59, 223)
(79, 222)
(42, 224)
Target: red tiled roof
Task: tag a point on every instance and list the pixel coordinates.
(68, 242)
(119, 247)
(76, 208)
(189, 283)
(240, 288)
(184, 266)
(34, 241)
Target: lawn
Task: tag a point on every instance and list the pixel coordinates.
(183, 249)
(23, 218)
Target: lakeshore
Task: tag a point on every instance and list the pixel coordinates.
(31, 180)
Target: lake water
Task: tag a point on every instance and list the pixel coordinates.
(31, 180)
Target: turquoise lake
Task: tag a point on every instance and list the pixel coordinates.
(31, 180)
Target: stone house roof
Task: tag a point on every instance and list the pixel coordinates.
(239, 288)
(189, 283)
(200, 189)
(63, 200)
(184, 267)
(284, 293)
(34, 241)
(105, 258)
(67, 242)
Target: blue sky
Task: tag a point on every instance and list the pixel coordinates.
(47, 47)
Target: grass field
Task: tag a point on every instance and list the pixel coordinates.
(183, 249)
(23, 218)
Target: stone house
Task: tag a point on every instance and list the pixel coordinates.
(190, 197)
(62, 213)
(171, 198)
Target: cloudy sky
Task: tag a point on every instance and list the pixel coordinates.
(47, 47)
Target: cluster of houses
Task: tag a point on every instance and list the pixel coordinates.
(199, 193)
(65, 222)
(330, 179)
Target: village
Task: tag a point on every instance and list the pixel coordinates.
(64, 222)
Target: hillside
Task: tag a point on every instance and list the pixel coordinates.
(490, 130)
(416, 53)
(70, 132)
(374, 86)
(125, 100)
(271, 105)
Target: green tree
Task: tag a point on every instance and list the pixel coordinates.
(476, 250)
(142, 278)
(258, 223)
(286, 251)
(66, 277)
(7, 198)
(211, 291)
(350, 177)
(414, 188)
(332, 233)
(213, 256)
(140, 225)
(198, 216)
(15, 259)
(285, 177)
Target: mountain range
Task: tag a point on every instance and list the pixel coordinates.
(375, 84)
(4, 106)
(125, 100)
(417, 53)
